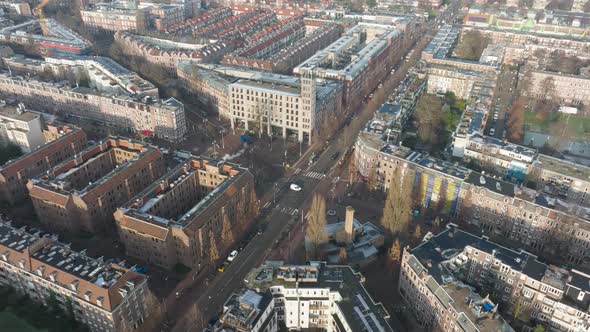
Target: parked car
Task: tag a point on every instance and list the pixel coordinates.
(223, 267)
(232, 256)
(492, 131)
(295, 187)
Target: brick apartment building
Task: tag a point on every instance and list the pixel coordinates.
(83, 192)
(103, 296)
(63, 142)
(438, 276)
(538, 222)
(552, 221)
(177, 218)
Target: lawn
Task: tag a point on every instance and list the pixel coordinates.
(11, 322)
(578, 126)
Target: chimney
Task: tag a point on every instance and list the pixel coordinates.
(349, 224)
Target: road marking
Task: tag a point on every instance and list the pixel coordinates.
(314, 175)
(297, 171)
(266, 205)
(336, 179)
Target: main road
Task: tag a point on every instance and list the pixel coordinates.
(210, 292)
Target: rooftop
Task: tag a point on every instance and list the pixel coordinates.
(145, 206)
(527, 152)
(170, 104)
(358, 307)
(55, 33)
(58, 261)
(564, 167)
(18, 112)
(442, 257)
(73, 176)
(244, 309)
(351, 52)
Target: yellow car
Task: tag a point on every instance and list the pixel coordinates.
(222, 267)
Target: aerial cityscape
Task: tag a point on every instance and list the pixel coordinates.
(283, 165)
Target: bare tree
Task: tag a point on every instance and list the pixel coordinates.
(352, 169)
(515, 124)
(315, 231)
(471, 45)
(428, 118)
(213, 252)
(398, 204)
(418, 233)
(227, 234)
(395, 252)
(437, 223)
(343, 255)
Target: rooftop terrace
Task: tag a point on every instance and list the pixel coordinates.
(359, 309)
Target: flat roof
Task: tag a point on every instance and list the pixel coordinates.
(564, 167)
(361, 312)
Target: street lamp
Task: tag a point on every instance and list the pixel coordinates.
(214, 151)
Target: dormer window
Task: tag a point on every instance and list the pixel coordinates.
(40, 270)
(21, 263)
(99, 301)
(5, 256)
(87, 295)
(52, 276)
(123, 292)
(74, 285)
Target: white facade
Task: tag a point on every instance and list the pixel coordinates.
(22, 128)
(265, 106)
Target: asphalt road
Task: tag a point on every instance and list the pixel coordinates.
(503, 99)
(282, 206)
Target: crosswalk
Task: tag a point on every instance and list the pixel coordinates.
(289, 210)
(314, 175)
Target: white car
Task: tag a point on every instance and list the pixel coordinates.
(232, 256)
(295, 187)
(492, 131)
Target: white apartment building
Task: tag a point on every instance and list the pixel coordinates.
(443, 79)
(164, 119)
(315, 296)
(115, 16)
(104, 296)
(492, 154)
(20, 127)
(559, 87)
(266, 106)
